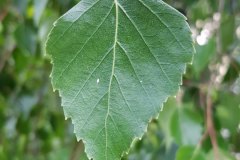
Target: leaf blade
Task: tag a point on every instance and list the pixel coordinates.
(112, 80)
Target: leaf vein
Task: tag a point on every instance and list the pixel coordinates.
(79, 51)
(131, 64)
(111, 78)
(64, 32)
(168, 28)
(95, 106)
(104, 57)
(125, 100)
(140, 34)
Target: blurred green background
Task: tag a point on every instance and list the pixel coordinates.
(201, 123)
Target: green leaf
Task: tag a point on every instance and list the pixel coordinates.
(227, 31)
(186, 125)
(200, 10)
(20, 5)
(190, 153)
(228, 111)
(115, 62)
(203, 56)
(165, 120)
(39, 7)
(26, 39)
(236, 87)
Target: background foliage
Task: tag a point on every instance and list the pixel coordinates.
(201, 122)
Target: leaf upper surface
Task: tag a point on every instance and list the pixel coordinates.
(115, 62)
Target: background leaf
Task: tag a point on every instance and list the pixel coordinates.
(186, 126)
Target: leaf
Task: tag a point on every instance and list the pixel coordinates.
(165, 120)
(26, 39)
(200, 10)
(191, 153)
(21, 6)
(203, 56)
(236, 86)
(228, 111)
(115, 62)
(39, 8)
(186, 125)
(227, 32)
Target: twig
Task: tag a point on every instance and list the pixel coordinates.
(205, 95)
(204, 137)
(3, 15)
(218, 36)
(77, 151)
(210, 129)
(4, 12)
(209, 104)
(5, 56)
(210, 126)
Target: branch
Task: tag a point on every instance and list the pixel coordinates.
(3, 15)
(5, 56)
(4, 11)
(77, 151)
(218, 36)
(210, 126)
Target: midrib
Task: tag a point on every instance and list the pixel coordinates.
(112, 74)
